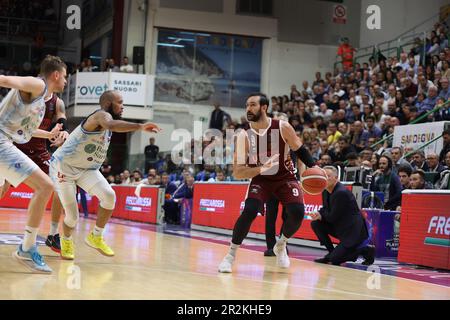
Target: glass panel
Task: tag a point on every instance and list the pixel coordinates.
(203, 68)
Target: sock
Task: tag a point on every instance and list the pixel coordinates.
(283, 238)
(98, 231)
(53, 228)
(29, 238)
(67, 238)
(233, 249)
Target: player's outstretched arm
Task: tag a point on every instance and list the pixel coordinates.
(105, 120)
(32, 85)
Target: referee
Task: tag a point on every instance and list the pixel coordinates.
(340, 217)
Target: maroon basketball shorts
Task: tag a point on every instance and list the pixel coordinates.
(286, 190)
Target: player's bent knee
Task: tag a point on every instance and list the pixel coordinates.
(108, 199)
(71, 217)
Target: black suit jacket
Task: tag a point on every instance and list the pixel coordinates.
(341, 211)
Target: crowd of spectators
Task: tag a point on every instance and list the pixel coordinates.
(342, 116)
(106, 65)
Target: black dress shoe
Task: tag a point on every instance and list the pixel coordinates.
(368, 255)
(324, 260)
(269, 253)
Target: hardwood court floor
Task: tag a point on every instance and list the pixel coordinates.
(152, 265)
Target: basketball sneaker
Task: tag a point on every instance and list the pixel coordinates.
(67, 251)
(32, 259)
(97, 242)
(226, 264)
(53, 243)
(282, 257)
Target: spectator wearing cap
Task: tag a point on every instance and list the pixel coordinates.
(430, 102)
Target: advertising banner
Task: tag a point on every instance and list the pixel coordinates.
(384, 231)
(133, 87)
(411, 137)
(219, 205)
(90, 86)
(425, 229)
(19, 198)
(128, 206)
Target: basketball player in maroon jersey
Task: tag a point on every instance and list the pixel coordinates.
(257, 156)
(36, 150)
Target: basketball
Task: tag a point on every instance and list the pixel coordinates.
(313, 180)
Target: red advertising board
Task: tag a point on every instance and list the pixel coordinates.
(19, 197)
(128, 206)
(219, 205)
(425, 229)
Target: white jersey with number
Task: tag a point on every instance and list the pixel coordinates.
(84, 149)
(18, 119)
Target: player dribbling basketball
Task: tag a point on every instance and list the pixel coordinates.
(256, 157)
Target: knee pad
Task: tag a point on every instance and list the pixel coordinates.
(252, 207)
(71, 217)
(107, 198)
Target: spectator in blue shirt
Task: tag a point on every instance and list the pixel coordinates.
(374, 131)
(445, 91)
(430, 102)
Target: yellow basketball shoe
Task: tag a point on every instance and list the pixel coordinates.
(67, 252)
(97, 242)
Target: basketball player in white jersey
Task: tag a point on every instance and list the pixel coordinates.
(78, 162)
(21, 113)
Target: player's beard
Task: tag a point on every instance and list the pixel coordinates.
(115, 116)
(254, 117)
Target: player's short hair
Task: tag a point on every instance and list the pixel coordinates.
(51, 64)
(263, 100)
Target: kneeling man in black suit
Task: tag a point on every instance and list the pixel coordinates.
(341, 218)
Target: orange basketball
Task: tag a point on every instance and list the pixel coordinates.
(313, 180)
